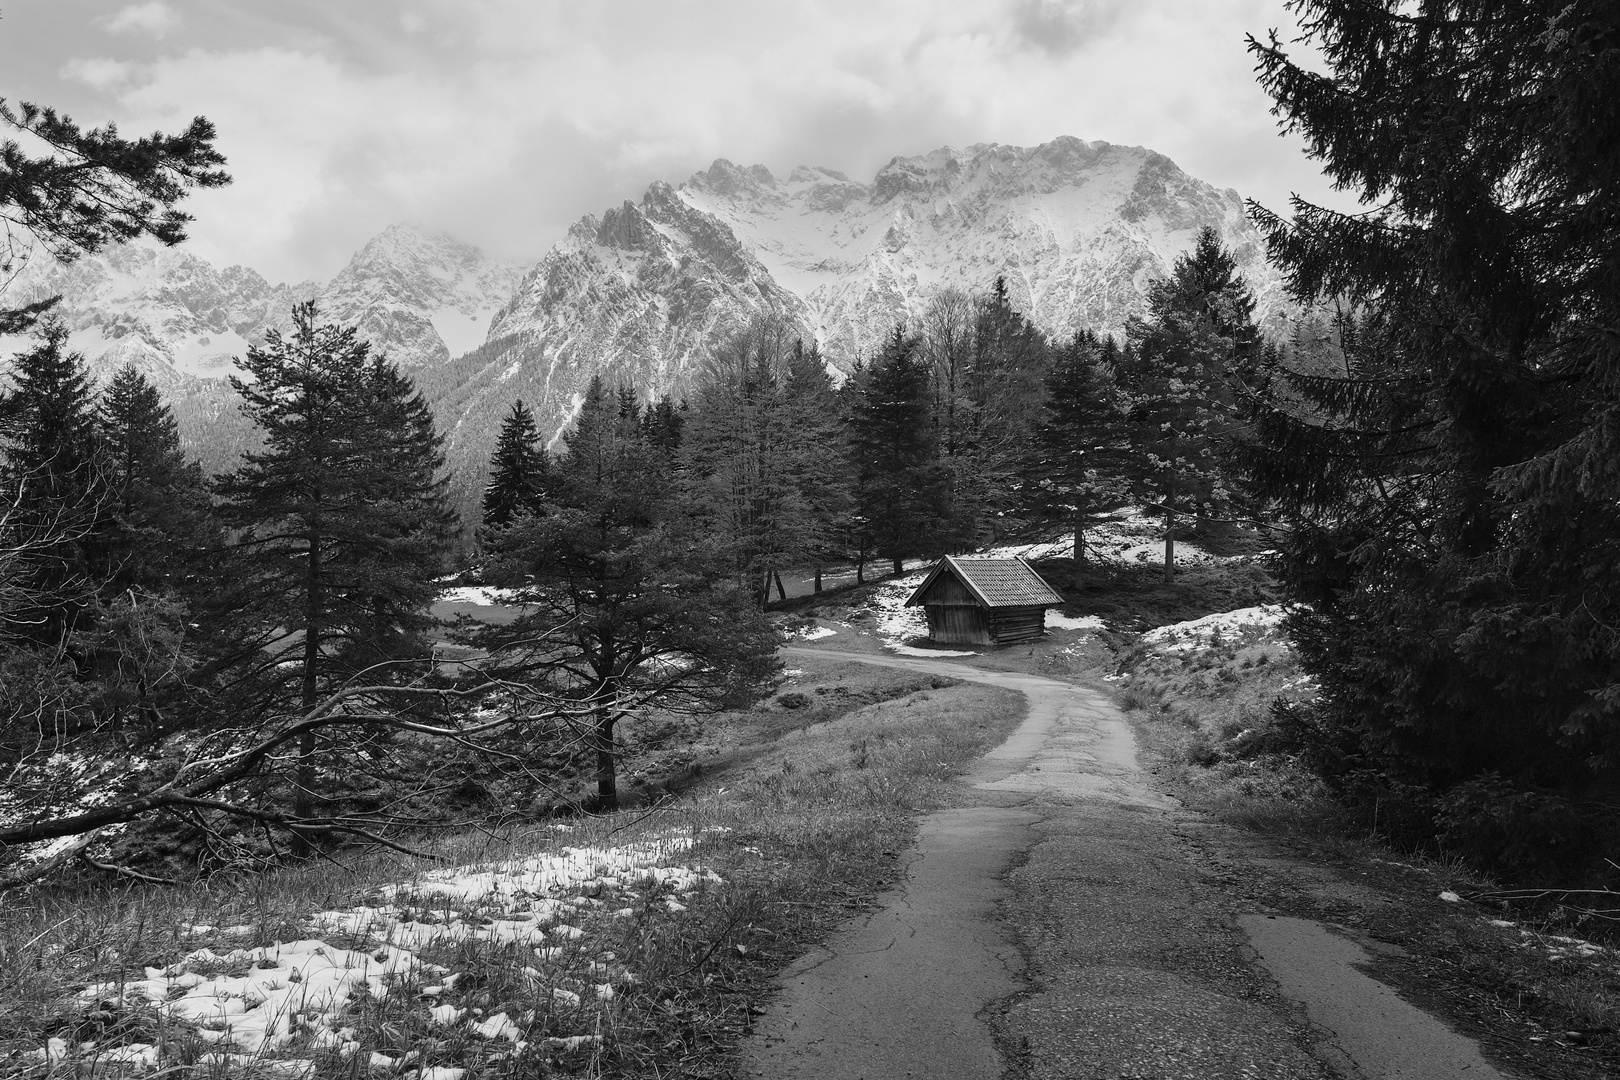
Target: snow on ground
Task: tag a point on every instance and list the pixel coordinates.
(907, 650)
(811, 633)
(895, 623)
(1058, 621)
(482, 595)
(282, 1006)
(1196, 633)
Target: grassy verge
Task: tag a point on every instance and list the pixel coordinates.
(1543, 999)
(637, 944)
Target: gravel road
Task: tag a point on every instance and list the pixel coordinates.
(1069, 921)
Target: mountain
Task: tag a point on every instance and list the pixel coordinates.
(641, 294)
(415, 294)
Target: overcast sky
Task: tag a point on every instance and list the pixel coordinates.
(503, 121)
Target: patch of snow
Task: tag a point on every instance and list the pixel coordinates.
(1184, 636)
(1450, 897)
(1073, 622)
(814, 634)
(279, 1005)
(482, 595)
(907, 650)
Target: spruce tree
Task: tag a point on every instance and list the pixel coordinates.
(56, 488)
(1080, 467)
(900, 484)
(342, 519)
(626, 603)
(159, 499)
(1453, 489)
(1180, 371)
(518, 469)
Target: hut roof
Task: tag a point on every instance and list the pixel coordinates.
(995, 582)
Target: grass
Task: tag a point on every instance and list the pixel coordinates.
(1202, 720)
(799, 819)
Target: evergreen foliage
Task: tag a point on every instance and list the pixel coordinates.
(56, 489)
(162, 517)
(1181, 368)
(626, 602)
(1080, 466)
(341, 520)
(518, 469)
(94, 188)
(1454, 488)
(900, 487)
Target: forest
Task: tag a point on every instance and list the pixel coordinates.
(234, 669)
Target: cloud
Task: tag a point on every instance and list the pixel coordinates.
(503, 121)
(154, 18)
(99, 72)
(1061, 27)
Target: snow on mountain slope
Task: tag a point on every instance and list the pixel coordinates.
(1078, 229)
(176, 315)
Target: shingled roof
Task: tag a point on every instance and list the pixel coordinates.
(996, 582)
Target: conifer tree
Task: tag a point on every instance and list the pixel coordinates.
(518, 469)
(625, 603)
(342, 518)
(900, 484)
(158, 498)
(1453, 488)
(55, 486)
(1081, 465)
(1182, 361)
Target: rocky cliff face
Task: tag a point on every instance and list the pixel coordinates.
(641, 294)
(1077, 229)
(417, 295)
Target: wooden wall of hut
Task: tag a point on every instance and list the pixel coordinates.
(957, 624)
(1011, 624)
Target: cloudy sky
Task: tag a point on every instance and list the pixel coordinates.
(502, 121)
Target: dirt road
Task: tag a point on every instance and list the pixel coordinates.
(1065, 921)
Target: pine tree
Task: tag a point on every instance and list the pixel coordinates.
(518, 470)
(56, 487)
(342, 518)
(1081, 465)
(816, 455)
(159, 499)
(1454, 488)
(1180, 371)
(626, 604)
(900, 486)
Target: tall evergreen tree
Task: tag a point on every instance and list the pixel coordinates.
(1180, 371)
(159, 499)
(901, 487)
(1454, 489)
(56, 486)
(1081, 465)
(518, 469)
(342, 518)
(625, 603)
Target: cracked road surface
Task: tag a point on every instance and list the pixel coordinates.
(1061, 925)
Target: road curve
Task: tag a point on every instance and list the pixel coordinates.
(1060, 926)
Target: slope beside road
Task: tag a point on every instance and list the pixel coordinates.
(1067, 920)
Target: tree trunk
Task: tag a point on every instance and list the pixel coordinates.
(607, 778)
(818, 579)
(304, 772)
(1170, 524)
(899, 567)
(1079, 548)
(781, 593)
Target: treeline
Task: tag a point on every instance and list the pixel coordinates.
(970, 427)
(237, 667)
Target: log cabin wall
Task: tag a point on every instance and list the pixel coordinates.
(1012, 624)
(957, 624)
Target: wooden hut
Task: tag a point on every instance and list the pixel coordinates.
(984, 601)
